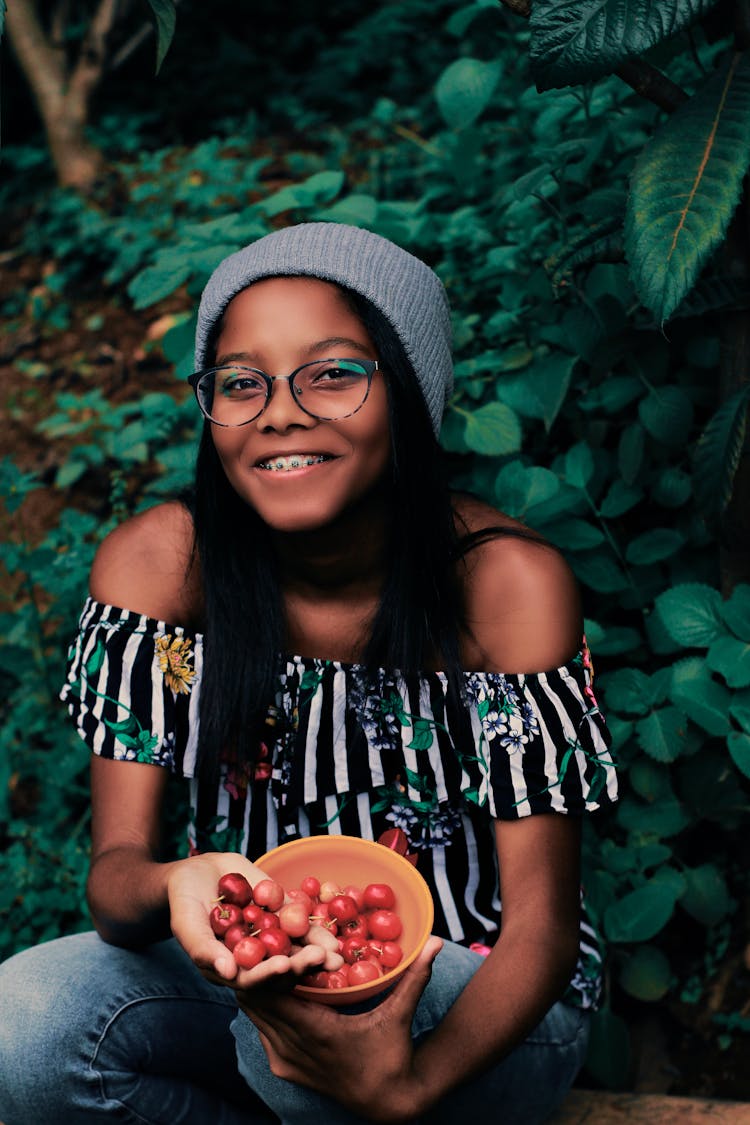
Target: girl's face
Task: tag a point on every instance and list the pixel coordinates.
(276, 325)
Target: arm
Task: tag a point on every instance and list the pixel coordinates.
(523, 614)
(524, 975)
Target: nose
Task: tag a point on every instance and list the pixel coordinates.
(282, 409)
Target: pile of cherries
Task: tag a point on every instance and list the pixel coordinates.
(356, 927)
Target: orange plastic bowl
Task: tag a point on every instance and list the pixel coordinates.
(348, 859)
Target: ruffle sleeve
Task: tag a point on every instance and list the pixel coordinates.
(541, 743)
(131, 687)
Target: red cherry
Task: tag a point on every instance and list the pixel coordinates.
(343, 908)
(298, 895)
(363, 972)
(269, 893)
(328, 890)
(389, 953)
(311, 886)
(253, 913)
(223, 916)
(337, 979)
(234, 888)
(356, 928)
(268, 921)
(276, 942)
(249, 952)
(384, 924)
(294, 919)
(357, 894)
(235, 933)
(353, 949)
(379, 896)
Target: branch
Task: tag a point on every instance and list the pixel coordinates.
(89, 68)
(41, 63)
(650, 83)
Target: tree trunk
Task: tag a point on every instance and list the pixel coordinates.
(63, 94)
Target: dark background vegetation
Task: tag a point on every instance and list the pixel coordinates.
(594, 242)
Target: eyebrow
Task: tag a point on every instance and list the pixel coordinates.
(324, 346)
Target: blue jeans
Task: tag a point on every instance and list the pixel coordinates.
(92, 1032)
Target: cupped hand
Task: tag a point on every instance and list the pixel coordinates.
(365, 1061)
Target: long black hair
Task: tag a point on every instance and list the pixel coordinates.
(420, 613)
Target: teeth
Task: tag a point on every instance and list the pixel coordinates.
(294, 461)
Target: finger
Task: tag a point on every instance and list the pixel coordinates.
(191, 927)
(407, 993)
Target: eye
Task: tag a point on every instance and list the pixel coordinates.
(343, 371)
(240, 384)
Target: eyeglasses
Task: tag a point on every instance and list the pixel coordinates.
(326, 389)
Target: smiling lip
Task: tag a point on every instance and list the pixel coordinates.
(292, 462)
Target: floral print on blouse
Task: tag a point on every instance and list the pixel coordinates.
(355, 750)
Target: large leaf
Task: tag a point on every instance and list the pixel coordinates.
(494, 430)
(165, 18)
(646, 974)
(691, 614)
(685, 187)
(641, 913)
(464, 89)
(706, 898)
(718, 453)
(574, 41)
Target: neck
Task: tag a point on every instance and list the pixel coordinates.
(348, 555)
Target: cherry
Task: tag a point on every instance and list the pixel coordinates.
(294, 919)
(384, 924)
(269, 893)
(253, 914)
(328, 891)
(298, 895)
(249, 952)
(342, 908)
(362, 972)
(235, 933)
(337, 979)
(311, 886)
(356, 928)
(353, 949)
(389, 953)
(357, 894)
(379, 895)
(276, 942)
(234, 888)
(223, 916)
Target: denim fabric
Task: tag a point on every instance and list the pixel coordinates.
(91, 1032)
(526, 1087)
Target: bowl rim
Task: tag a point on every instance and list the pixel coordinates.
(369, 988)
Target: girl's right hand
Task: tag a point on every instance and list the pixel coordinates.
(191, 888)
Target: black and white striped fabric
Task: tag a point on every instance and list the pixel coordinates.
(352, 750)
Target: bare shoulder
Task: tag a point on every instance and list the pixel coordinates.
(146, 565)
(522, 604)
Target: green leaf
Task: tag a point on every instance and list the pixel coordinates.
(666, 817)
(574, 41)
(15, 485)
(673, 488)
(736, 611)
(706, 898)
(464, 90)
(550, 378)
(357, 210)
(321, 187)
(599, 570)
(731, 658)
(691, 614)
(628, 690)
(574, 534)
(667, 414)
(95, 661)
(630, 452)
(703, 699)
(648, 780)
(739, 748)
(718, 452)
(494, 430)
(662, 734)
(685, 187)
(157, 282)
(653, 546)
(712, 294)
(518, 487)
(646, 974)
(620, 498)
(640, 914)
(165, 18)
(579, 465)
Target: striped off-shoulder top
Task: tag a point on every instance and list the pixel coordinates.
(356, 750)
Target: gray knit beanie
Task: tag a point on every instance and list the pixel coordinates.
(403, 288)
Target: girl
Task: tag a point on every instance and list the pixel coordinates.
(324, 640)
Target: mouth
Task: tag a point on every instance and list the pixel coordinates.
(292, 461)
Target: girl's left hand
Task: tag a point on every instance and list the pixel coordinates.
(364, 1061)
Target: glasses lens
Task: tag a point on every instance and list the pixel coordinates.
(231, 395)
(331, 389)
